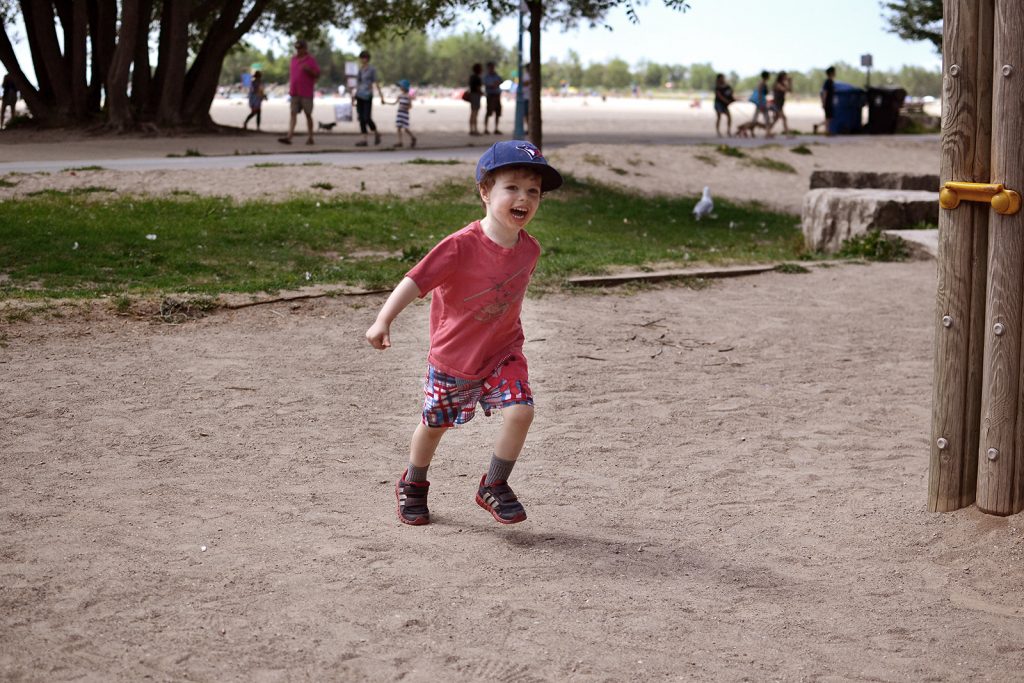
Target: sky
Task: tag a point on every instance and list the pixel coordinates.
(744, 36)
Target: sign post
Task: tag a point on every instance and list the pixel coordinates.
(866, 62)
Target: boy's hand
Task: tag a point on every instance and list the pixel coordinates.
(379, 335)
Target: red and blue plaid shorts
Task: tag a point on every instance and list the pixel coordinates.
(450, 401)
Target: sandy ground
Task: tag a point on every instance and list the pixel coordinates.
(725, 483)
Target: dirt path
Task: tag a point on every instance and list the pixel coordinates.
(735, 490)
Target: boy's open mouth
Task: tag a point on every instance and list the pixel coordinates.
(519, 214)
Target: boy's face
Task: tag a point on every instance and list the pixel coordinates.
(514, 198)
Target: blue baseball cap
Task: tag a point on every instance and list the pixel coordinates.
(403, 84)
(508, 153)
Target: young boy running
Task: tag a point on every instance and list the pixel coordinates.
(478, 277)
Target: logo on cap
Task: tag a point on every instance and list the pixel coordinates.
(532, 151)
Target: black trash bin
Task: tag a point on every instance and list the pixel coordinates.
(884, 109)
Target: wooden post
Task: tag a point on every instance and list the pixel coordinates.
(963, 241)
(1001, 456)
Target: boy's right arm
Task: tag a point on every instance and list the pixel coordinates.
(379, 334)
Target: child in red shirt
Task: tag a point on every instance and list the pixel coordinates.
(478, 277)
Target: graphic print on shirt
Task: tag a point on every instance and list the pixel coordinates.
(504, 295)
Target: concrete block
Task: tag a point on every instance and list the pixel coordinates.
(869, 179)
(831, 215)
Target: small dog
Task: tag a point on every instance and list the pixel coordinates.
(320, 125)
(746, 130)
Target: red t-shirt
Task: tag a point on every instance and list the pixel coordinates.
(478, 293)
(300, 83)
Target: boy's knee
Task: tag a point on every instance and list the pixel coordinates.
(520, 416)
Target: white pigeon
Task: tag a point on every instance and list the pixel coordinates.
(704, 206)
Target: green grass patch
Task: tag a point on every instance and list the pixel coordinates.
(268, 164)
(730, 151)
(4, 182)
(791, 268)
(874, 246)
(73, 192)
(771, 164)
(84, 168)
(709, 160)
(433, 162)
(206, 246)
(322, 186)
(188, 153)
(801, 149)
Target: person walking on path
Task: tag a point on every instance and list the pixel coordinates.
(779, 90)
(492, 89)
(364, 98)
(256, 97)
(828, 91)
(404, 102)
(476, 93)
(760, 100)
(723, 98)
(478, 276)
(10, 98)
(302, 76)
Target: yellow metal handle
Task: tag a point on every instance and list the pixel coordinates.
(1002, 200)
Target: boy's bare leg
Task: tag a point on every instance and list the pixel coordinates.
(424, 443)
(515, 424)
(412, 487)
(494, 494)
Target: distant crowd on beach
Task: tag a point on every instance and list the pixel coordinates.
(483, 91)
(769, 110)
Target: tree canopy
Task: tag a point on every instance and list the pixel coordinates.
(92, 57)
(916, 20)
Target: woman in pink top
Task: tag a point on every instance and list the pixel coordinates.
(301, 84)
(478, 277)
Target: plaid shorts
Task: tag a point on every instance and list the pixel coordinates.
(450, 401)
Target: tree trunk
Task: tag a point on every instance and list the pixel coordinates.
(198, 87)
(35, 48)
(171, 68)
(33, 99)
(536, 8)
(142, 75)
(52, 60)
(120, 111)
(103, 34)
(78, 30)
(202, 78)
